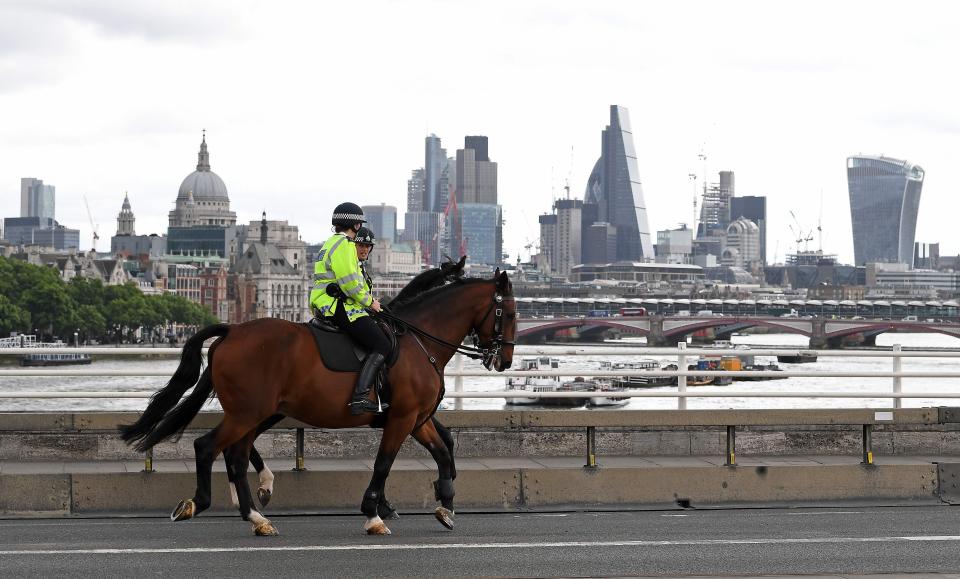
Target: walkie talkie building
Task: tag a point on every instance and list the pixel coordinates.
(884, 202)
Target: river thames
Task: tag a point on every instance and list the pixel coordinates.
(574, 364)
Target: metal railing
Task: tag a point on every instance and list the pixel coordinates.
(681, 353)
(458, 373)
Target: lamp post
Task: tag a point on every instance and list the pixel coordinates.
(76, 338)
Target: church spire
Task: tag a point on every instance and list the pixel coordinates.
(263, 228)
(203, 159)
(125, 220)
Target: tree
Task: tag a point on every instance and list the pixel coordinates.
(86, 291)
(13, 318)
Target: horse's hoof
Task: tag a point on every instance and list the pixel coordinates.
(184, 510)
(264, 496)
(445, 516)
(265, 529)
(376, 526)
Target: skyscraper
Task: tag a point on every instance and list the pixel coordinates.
(415, 188)
(476, 173)
(434, 158)
(37, 199)
(382, 220)
(884, 202)
(479, 232)
(614, 185)
(567, 252)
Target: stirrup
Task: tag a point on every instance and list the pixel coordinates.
(358, 407)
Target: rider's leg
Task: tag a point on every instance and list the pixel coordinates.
(366, 332)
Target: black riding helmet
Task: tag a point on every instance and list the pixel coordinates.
(348, 215)
(365, 236)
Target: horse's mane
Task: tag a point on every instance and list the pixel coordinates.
(427, 280)
(431, 293)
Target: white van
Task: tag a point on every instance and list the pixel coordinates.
(705, 313)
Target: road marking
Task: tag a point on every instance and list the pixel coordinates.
(534, 545)
(822, 514)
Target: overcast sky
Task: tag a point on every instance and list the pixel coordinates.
(307, 104)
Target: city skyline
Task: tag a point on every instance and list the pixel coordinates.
(297, 152)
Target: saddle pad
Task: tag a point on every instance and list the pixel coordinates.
(337, 350)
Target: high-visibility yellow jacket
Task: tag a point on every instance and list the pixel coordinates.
(337, 263)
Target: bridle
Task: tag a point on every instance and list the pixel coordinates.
(491, 350)
(486, 353)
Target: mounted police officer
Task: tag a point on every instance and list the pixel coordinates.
(338, 266)
(365, 240)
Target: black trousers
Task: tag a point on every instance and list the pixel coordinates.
(364, 330)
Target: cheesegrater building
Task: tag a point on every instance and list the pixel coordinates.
(614, 188)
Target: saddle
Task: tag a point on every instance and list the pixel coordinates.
(341, 354)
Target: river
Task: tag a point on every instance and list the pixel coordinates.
(573, 364)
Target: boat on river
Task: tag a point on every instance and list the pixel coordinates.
(65, 358)
(634, 381)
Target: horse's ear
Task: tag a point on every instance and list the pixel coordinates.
(463, 260)
(496, 273)
(502, 281)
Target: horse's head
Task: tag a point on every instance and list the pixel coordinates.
(495, 330)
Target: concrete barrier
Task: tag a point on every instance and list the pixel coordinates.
(530, 460)
(499, 489)
(92, 436)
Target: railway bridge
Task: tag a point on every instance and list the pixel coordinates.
(668, 330)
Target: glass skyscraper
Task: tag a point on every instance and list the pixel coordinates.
(37, 199)
(884, 202)
(614, 186)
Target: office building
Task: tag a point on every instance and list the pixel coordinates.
(425, 227)
(884, 203)
(675, 245)
(741, 245)
(753, 208)
(476, 174)
(37, 199)
(416, 185)
(548, 242)
(614, 186)
(40, 231)
(382, 220)
(600, 245)
(479, 223)
(567, 240)
(435, 157)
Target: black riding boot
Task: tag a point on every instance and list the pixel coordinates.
(368, 374)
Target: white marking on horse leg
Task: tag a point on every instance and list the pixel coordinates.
(376, 526)
(233, 495)
(266, 479)
(261, 525)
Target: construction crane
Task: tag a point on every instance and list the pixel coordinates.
(693, 179)
(800, 236)
(93, 225)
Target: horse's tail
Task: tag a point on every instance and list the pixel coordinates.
(164, 417)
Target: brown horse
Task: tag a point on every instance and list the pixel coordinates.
(270, 368)
(446, 272)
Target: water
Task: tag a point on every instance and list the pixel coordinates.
(573, 364)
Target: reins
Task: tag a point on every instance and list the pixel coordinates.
(469, 351)
(476, 352)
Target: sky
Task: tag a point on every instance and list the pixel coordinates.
(308, 104)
